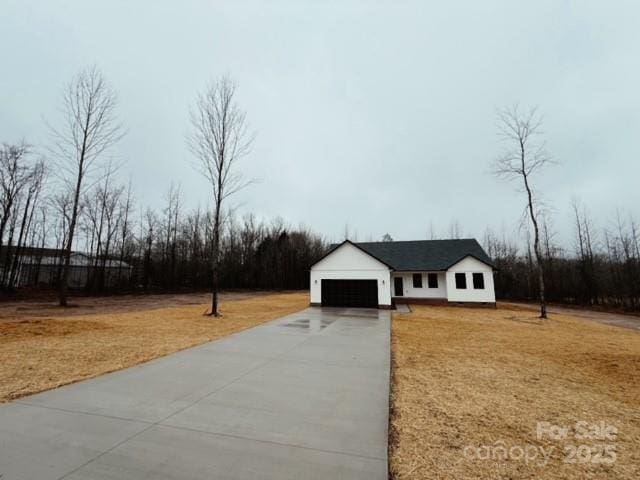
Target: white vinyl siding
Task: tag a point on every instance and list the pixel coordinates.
(423, 292)
(348, 262)
(468, 266)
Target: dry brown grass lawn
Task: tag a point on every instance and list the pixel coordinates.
(477, 377)
(42, 352)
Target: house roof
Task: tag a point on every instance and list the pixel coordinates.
(422, 255)
(25, 250)
(54, 256)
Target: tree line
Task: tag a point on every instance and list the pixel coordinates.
(601, 268)
(174, 250)
(67, 198)
(168, 248)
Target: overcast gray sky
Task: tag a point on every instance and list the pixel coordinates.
(376, 114)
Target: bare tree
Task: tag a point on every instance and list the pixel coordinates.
(524, 155)
(584, 248)
(148, 223)
(36, 177)
(21, 178)
(219, 138)
(432, 235)
(125, 230)
(454, 229)
(102, 220)
(14, 175)
(89, 129)
(171, 215)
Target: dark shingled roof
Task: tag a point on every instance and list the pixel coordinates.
(423, 255)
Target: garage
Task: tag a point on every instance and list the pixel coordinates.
(347, 276)
(350, 293)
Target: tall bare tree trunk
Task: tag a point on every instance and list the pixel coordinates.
(219, 139)
(89, 129)
(520, 160)
(215, 278)
(536, 234)
(64, 281)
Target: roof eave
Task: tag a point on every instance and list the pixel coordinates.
(489, 264)
(355, 245)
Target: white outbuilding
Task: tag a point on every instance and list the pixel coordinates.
(381, 274)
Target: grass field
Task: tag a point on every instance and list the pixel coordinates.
(467, 379)
(42, 347)
(467, 383)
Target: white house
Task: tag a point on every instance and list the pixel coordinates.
(380, 274)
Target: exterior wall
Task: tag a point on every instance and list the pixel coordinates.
(350, 263)
(78, 275)
(425, 291)
(468, 266)
(40, 269)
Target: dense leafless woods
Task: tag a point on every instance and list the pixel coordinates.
(600, 268)
(69, 196)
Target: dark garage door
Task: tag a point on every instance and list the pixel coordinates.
(350, 293)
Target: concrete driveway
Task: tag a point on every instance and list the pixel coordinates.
(304, 396)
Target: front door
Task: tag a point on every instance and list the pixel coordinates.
(397, 287)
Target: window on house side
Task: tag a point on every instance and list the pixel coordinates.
(461, 281)
(417, 280)
(478, 281)
(432, 280)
